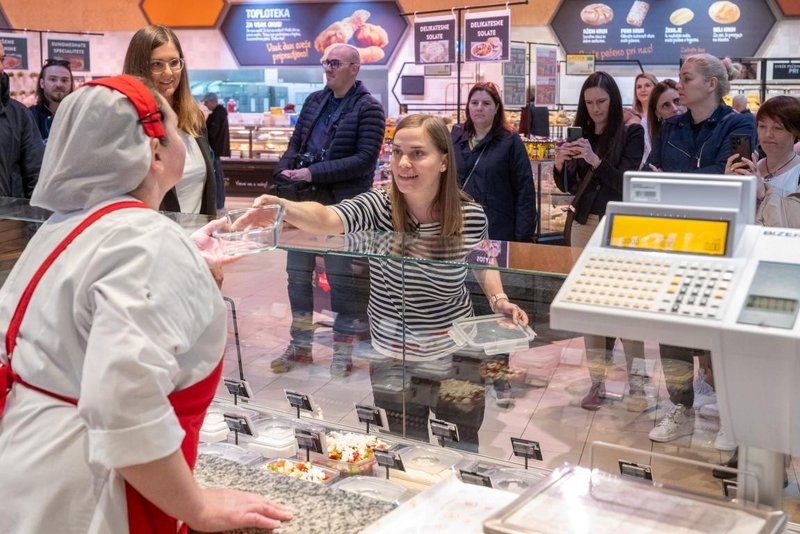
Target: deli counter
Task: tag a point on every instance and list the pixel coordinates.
(352, 452)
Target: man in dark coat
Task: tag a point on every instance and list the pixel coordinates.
(335, 147)
(54, 84)
(219, 138)
(21, 147)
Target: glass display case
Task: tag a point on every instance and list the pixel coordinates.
(529, 392)
(255, 151)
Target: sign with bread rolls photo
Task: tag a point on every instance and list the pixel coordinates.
(267, 34)
(659, 32)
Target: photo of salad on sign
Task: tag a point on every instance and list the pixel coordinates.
(487, 36)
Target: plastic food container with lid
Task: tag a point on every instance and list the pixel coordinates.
(515, 480)
(275, 439)
(352, 452)
(214, 428)
(302, 470)
(375, 488)
(428, 465)
(493, 334)
(230, 452)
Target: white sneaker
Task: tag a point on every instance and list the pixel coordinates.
(703, 393)
(678, 422)
(724, 441)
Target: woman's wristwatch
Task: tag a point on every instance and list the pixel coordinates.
(495, 298)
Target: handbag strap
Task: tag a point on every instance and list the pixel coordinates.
(582, 186)
(474, 166)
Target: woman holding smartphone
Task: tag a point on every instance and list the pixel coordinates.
(591, 167)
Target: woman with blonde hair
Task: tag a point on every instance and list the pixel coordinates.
(155, 54)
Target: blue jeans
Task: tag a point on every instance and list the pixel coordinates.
(348, 296)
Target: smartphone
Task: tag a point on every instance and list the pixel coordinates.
(740, 144)
(574, 133)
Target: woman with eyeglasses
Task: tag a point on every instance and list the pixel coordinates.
(155, 54)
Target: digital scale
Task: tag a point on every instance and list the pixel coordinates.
(680, 262)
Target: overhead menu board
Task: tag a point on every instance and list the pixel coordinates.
(299, 34)
(487, 36)
(661, 31)
(16, 49)
(77, 52)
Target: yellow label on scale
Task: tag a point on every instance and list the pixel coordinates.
(666, 234)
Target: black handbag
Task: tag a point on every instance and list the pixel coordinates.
(300, 191)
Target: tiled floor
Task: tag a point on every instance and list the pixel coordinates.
(546, 407)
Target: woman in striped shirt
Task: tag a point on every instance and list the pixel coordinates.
(413, 304)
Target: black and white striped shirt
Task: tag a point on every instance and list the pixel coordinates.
(426, 296)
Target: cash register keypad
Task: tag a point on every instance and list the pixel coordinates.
(672, 286)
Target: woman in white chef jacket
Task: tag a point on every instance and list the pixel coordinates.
(118, 352)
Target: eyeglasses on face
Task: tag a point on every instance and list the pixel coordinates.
(334, 64)
(56, 63)
(158, 66)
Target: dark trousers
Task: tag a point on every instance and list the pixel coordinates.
(408, 393)
(348, 296)
(677, 364)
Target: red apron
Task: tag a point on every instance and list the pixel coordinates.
(190, 404)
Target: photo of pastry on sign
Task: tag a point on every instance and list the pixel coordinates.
(434, 51)
(491, 48)
(369, 39)
(12, 62)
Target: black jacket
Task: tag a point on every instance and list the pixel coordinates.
(219, 136)
(208, 206)
(502, 182)
(606, 184)
(43, 118)
(21, 147)
(349, 166)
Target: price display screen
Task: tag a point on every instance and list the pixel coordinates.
(667, 234)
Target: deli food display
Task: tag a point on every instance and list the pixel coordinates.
(301, 470)
(350, 453)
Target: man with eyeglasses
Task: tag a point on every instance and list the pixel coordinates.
(54, 84)
(335, 147)
(21, 147)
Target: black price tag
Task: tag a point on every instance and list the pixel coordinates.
(240, 423)
(730, 488)
(372, 415)
(389, 459)
(238, 387)
(443, 429)
(525, 448)
(299, 400)
(632, 469)
(471, 477)
(310, 440)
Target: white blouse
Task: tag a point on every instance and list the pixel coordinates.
(190, 188)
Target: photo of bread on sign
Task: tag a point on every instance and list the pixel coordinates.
(597, 14)
(724, 12)
(369, 39)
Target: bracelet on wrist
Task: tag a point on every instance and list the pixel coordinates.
(494, 299)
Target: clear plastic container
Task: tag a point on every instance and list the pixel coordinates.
(515, 480)
(214, 428)
(493, 334)
(302, 470)
(230, 452)
(375, 488)
(250, 230)
(429, 465)
(337, 443)
(275, 439)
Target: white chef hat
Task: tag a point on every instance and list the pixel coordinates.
(99, 146)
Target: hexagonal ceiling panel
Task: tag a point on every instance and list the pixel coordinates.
(790, 8)
(195, 14)
(661, 32)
